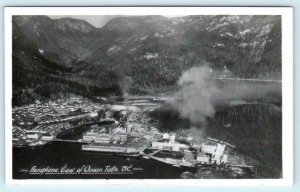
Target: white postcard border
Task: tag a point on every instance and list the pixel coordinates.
(287, 89)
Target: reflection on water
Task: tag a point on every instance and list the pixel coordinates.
(55, 155)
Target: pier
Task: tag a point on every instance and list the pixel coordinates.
(70, 141)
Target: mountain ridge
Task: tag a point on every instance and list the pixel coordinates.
(151, 51)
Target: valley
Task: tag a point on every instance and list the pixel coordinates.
(173, 97)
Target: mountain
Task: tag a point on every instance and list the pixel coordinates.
(60, 40)
(154, 50)
(140, 54)
(42, 61)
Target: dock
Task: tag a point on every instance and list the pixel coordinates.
(70, 141)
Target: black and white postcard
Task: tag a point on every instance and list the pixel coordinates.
(149, 94)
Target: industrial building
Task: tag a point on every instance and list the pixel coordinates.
(102, 138)
(47, 137)
(216, 153)
(96, 137)
(169, 146)
(203, 158)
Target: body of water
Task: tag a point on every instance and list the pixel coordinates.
(60, 154)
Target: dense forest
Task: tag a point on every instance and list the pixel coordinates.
(139, 54)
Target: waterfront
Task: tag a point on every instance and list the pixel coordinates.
(176, 100)
(28, 161)
(54, 155)
(144, 127)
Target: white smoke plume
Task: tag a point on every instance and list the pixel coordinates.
(125, 85)
(200, 93)
(197, 92)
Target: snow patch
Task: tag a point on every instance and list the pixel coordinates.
(41, 51)
(229, 34)
(243, 44)
(220, 45)
(245, 32)
(149, 56)
(132, 50)
(158, 35)
(144, 37)
(113, 49)
(176, 21)
(222, 19)
(233, 18)
(219, 25)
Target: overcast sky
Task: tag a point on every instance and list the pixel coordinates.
(96, 20)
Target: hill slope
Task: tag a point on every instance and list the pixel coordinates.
(141, 54)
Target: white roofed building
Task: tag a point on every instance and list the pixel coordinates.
(169, 146)
(205, 148)
(102, 138)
